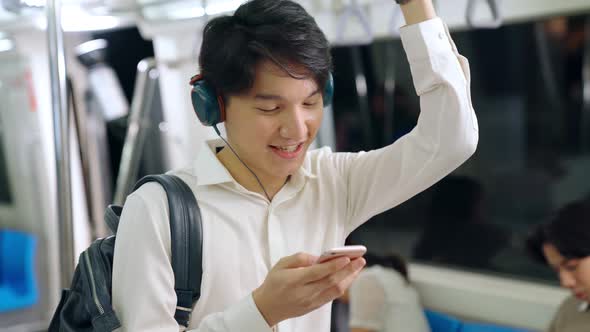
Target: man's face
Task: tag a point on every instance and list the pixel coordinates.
(574, 274)
(272, 125)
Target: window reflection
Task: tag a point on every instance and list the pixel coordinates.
(533, 155)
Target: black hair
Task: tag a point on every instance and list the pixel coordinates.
(392, 261)
(277, 30)
(568, 231)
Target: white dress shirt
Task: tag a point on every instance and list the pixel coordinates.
(330, 196)
(382, 300)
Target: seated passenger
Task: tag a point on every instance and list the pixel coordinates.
(382, 299)
(564, 244)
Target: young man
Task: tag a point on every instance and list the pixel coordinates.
(269, 208)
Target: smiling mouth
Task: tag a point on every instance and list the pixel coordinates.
(289, 151)
(289, 148)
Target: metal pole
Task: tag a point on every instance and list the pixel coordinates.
(57, 71)
(145, 85)
(389, 94)
(585, 123)
(362, 96)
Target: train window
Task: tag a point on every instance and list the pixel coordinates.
(534, 149)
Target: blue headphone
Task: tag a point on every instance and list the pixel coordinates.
(209, 105)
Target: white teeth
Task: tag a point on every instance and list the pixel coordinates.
(288, 148)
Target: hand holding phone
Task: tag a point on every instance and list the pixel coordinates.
(352, 252)
(297, 285)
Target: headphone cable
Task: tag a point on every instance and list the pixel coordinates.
(243, 163)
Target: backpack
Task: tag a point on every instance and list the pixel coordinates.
(86, 305)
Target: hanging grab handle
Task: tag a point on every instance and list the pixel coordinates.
(494, 7)
(397, 18)
(354, 10)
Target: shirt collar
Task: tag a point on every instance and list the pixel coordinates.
(303, 173)
(210, 170)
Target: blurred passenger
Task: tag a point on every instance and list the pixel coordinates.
(564, 244)
(457, 232)
(382, 299)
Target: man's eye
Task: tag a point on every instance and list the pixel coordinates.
(571, 266)
(268, 110)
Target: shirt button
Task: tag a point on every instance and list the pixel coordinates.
(441, 36)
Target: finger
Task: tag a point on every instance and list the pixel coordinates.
(300, 259)
(340, 280)
(320, 271)
(318, 296)
(333, 292)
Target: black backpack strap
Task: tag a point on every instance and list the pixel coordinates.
(186, 233)
(111, 217)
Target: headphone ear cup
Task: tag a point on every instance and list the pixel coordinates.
(207, 104)
(329, 91)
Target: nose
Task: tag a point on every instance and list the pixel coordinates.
(294, 125)
(566, 279)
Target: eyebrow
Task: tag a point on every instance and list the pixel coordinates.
(262, 96)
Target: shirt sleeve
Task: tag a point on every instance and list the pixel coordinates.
(143, 281)
(445, 136)
(367, 303)
(560, 317)
(553, 327)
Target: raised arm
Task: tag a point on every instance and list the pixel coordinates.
(445, 136)
(416, 11)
